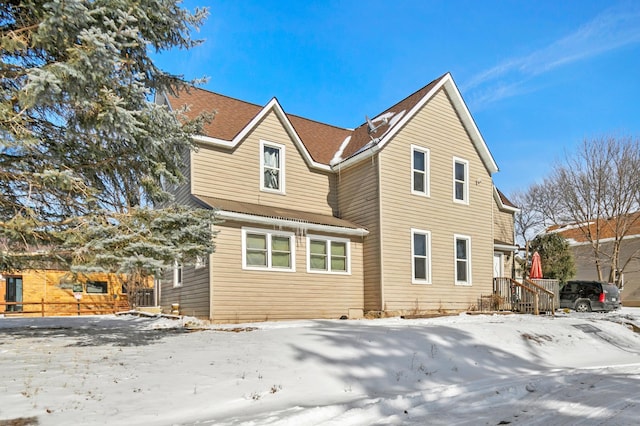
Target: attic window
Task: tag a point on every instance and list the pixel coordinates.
(271, 167)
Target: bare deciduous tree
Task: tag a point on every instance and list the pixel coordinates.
(596, 190)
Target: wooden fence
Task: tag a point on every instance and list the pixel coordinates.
(43, 308)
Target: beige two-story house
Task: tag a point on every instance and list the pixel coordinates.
(396, 216)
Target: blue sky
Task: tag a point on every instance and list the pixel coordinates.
(537, 76)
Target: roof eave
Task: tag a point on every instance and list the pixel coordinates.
(291, 223)
(501, 205)
(449, 85)
(506, 247)
(470, 124)
(273, 105)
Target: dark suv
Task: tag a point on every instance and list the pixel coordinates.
(586, 296)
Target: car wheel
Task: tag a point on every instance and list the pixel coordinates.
(583, 307)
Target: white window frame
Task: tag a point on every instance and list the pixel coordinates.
(281, 169)
(465, 191)
(178, 274)
(427, 234)
(201, 262)
(269, 234)
(427, 173)
(467, 238)
(328, 242)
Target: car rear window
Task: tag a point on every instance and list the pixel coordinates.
(611, 289)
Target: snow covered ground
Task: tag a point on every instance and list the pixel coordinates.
(463, 369)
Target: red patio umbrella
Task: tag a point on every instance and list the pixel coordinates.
(536, 267)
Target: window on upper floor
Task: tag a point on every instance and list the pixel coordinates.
(420, 170)
(421, 252)
(460, 181)
(271, 250)
(330, 255)
(463, 259)
(271, 167)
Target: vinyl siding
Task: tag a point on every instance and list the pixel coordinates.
(193, 295)
(234, 174)
(182, 192)
(249, 295)
(502, 225)
(437, 128)
(358, 200)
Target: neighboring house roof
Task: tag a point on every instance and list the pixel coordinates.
(321, 144)
(259, 213)
(577, 233)
(503, 201)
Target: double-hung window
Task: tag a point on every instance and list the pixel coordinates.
(271, 167)
(177, 274)
(271, 250)
(329, 255)
(421, 256)
(463, 259)
(419, 170)
(460, 181)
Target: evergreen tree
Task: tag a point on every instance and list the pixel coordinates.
(84, 155)
(555, 255)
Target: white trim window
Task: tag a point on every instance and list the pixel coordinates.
(328, 255)
(420, 256)
(201, 262)
(460, 180)
(420, 182)
(462, 252)
(271, 167)
(270, 250)
(177, 274)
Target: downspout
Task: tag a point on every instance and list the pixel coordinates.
(513, 255)
(211, 284)
(382, 302)
(494, 207)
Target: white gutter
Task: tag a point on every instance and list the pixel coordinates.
(262, 220)
(213, 141)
